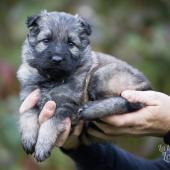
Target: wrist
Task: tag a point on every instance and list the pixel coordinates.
(166, 138)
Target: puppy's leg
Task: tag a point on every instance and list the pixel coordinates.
(48, 133)
(28, 125)
(106, 107)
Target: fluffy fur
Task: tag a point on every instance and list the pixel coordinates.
(56, 58)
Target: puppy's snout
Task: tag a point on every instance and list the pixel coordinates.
(57, 59)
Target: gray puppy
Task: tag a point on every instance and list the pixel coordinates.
(57, 59)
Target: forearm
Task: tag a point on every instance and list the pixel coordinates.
(107, 156)
(92, 157)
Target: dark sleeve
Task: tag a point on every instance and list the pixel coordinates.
(110, 157)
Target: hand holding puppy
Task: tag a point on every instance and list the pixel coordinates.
(153, 119)
(66, 140)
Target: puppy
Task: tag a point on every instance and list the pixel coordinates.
(57, 59)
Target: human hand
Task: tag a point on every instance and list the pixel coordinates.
(153, 119)
(66, 140)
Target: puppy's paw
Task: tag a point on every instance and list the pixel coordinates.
(29, 131)
(42, 151)
(28, 143)
(48, 133)
(87, 111)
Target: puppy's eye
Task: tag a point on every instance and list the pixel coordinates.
(71, 43)
(45, 40)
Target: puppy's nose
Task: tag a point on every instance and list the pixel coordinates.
(56, 59)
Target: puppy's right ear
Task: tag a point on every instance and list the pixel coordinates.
(32, 24)
(32, 21)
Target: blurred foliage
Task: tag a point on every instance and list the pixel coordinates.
(135, 31)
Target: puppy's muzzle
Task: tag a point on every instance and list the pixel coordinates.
(57, 59)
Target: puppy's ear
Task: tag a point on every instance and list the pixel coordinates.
(32, 24)
(32, 21)
(84, 24)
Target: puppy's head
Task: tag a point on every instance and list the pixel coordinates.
(57, 43)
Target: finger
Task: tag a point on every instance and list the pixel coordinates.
(114, 131)
(73, 140)
(99, 135)
(145, 97)
(47, 111)
(103, 127)
(30, 101)
(130, 119)
(110, 134)
(78, 129)
(63, 137)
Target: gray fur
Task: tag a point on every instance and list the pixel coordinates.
(64, 36)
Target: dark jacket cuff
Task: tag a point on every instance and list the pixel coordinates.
(167, 138)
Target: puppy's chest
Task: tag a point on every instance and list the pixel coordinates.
(62, 92)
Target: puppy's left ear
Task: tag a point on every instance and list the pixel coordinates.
(85, 25)
(32, 21)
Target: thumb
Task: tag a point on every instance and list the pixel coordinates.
(63, 136)
(145, 97)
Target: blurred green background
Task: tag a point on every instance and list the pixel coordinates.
(137, 31)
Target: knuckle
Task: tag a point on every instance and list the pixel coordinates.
(107, 131)
(133, 98)
(119, 123)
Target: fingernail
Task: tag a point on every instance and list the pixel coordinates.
(51, 105)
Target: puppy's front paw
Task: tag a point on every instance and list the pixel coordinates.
(28, 143)
(29, 131)
(87, 111)
(48, 133)
(93, 110)
(42, 150)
